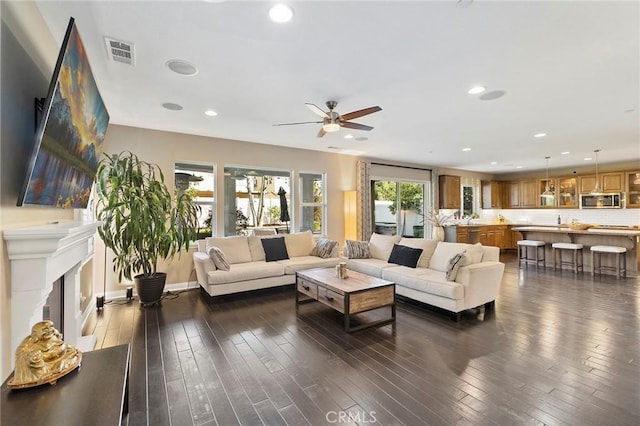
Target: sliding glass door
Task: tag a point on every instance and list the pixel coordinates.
(398, 207)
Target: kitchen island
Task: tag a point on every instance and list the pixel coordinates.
(627, 238)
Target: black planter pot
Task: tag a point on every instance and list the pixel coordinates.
(150, 289)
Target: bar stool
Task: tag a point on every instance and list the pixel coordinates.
(598, 250)
(575, 248)
(523, 252)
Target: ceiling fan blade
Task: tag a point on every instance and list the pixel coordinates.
(321, 133)
(356, 126)
(360, 113)
(302, 122)
(316, 110)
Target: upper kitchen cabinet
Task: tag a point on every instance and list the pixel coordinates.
(568, 192)
(449, 188)
(492, 194)
(633, 189)
(609, 182)
(548, 192)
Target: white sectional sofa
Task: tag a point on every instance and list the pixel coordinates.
(248, 268)
(476, 283)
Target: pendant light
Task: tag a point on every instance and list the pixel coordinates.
(548, 193)
(596, 189)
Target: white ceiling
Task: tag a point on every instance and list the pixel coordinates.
(569, 69)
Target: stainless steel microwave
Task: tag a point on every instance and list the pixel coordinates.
(600, 201)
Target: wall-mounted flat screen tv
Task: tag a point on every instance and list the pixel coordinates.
(70, 134)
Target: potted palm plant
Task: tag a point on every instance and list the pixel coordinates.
(141, 221)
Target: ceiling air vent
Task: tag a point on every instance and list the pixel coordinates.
(120, 51)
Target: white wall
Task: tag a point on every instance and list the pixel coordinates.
(167, 148)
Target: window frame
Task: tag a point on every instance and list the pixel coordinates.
(322, 204)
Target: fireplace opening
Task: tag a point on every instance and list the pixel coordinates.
(53, 308)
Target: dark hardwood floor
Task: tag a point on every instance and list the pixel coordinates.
(558, 349)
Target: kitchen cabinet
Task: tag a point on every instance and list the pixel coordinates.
(633, 189)
(609, 182)
(492, 194)
(449, 192)
(522, 194)
(529, 193)
(568, 192)
(552, 185)
(512, 195)
(488, 235)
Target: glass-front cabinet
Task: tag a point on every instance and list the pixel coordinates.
(547, 191)
(568, 192)
(633, 192)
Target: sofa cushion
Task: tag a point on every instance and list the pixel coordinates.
(473, 254)
(300, 244)
(274, 249)
(324, 248)
(454, 264)
(245, 272)
(380, 246)
(403, 255)
(217, 256)
(235, 249)
(445, 251)
(356, 249)
(295, 264)
(427, 246)
(371, 267)
(434, 282)
(255, 246)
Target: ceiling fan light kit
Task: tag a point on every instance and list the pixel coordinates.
(332, 121)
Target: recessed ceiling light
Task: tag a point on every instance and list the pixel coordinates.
(466, 149)
(476, 89)
(565, 153)
(280, 13)
(588, 158)
(172, 106)
(494, 94)
(182, 67)
(211, 113)
(518, 167)
(348, 136)
(493, 163)
(540, 135)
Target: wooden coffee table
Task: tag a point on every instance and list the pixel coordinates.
(354, 294)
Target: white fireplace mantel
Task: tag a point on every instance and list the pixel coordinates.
(40, 255)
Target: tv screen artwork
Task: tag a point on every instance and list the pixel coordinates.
(70, 135)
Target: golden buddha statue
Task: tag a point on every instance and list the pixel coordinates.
(43, 357)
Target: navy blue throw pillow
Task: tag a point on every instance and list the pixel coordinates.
(274, 249)
(405, 256)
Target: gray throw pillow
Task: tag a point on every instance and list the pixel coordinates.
(357, 249)
(324, 248)
(217, 256)
(454, 265)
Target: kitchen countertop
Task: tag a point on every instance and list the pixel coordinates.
(630, 232)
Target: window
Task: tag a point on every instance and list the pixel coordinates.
(252, 200)
(198, 181)
(406, 220)
(313, 206)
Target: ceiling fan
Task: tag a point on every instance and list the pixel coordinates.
(332, 121)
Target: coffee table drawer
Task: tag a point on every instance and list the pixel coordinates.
(370, 299)
(308, 288)
(330, 298)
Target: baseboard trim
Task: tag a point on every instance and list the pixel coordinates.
(122, 294)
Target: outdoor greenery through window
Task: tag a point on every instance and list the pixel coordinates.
(398, 208)
(197, 180)
(313, 206)
(256, 201)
